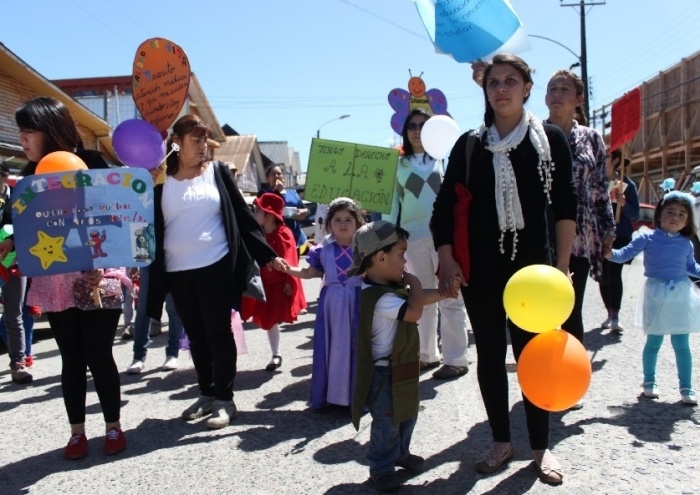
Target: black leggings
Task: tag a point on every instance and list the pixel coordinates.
(201, 298)
(611, 282)
(85, 340)
(488, 320)
(579, 268)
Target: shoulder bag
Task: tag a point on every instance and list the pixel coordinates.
(460, 234)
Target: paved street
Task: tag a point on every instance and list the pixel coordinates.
(618, 443)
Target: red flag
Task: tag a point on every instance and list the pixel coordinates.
(626, 118)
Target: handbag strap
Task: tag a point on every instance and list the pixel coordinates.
(471, 141)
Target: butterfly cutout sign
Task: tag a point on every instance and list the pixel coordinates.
(403, 102)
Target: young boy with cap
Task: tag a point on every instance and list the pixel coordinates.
(391, 302)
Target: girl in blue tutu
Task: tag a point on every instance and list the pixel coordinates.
(671, 303)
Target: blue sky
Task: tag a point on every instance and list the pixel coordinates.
(279, 69)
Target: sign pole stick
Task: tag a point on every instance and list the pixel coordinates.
(620, 185)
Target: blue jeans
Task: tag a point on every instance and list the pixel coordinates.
(684, 361)
(13, 294)
(387, 443)
(28, 323)
(142, 323)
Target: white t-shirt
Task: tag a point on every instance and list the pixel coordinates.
(384, 324)
(195, 236)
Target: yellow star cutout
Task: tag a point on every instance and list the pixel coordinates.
(48, 249)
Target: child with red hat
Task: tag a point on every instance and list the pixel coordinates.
(284, 296)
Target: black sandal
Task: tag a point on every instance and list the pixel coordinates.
(274, 364)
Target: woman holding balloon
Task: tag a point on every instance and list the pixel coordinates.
(595, 223)
(84, 338)
(519, 169)
(418, 178)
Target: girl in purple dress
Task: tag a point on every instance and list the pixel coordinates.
(335, 329)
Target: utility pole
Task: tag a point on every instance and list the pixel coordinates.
(584, 56)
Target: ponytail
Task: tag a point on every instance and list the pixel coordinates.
(489, 115)
(580, 116)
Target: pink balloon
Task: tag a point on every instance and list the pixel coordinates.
(138, 144)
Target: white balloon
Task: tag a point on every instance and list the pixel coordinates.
(438, 136)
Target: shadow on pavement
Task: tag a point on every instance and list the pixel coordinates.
(647, 420)
(466, 452)
(270, 428)
(151, 435)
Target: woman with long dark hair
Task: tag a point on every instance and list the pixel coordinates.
(520, 168)
(84, 338)
(418, 179)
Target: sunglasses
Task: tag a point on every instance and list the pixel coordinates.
(414, 126)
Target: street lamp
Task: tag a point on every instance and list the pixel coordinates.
(318, 132)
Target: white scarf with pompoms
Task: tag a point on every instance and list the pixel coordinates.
(510, 213)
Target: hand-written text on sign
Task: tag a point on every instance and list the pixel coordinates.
(363, 173)
(81, 220)
(160, 81)
(470, 29)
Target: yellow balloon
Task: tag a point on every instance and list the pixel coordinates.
(538, 298)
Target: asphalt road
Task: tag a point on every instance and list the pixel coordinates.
(618, 443)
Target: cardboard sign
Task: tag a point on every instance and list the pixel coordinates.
(160, 81)
(403, 102)
(626, 118)
(468, 31)
(82, 220)
(366, 174)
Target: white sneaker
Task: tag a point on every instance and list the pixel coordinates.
(222, 414)
(606, 323)
(649, 390)
(136, 367)
(688, 397)
(171, 363)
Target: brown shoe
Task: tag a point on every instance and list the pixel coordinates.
(448, 372)
(19, 373)
(428, 366)
(497, 457)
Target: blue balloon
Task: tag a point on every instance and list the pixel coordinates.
(138, 144)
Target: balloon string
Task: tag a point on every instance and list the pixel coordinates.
(174, 148)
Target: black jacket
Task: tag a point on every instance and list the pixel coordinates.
(245, 237)
(534, 241)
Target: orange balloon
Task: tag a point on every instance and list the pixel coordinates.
(60, 161)
(554, 370)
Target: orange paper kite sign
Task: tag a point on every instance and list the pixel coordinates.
(626, 118)
(159, 81)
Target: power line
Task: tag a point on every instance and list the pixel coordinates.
(660, 42)
(384, 19)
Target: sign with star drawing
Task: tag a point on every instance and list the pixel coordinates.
(83, 220)
(364, 173)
